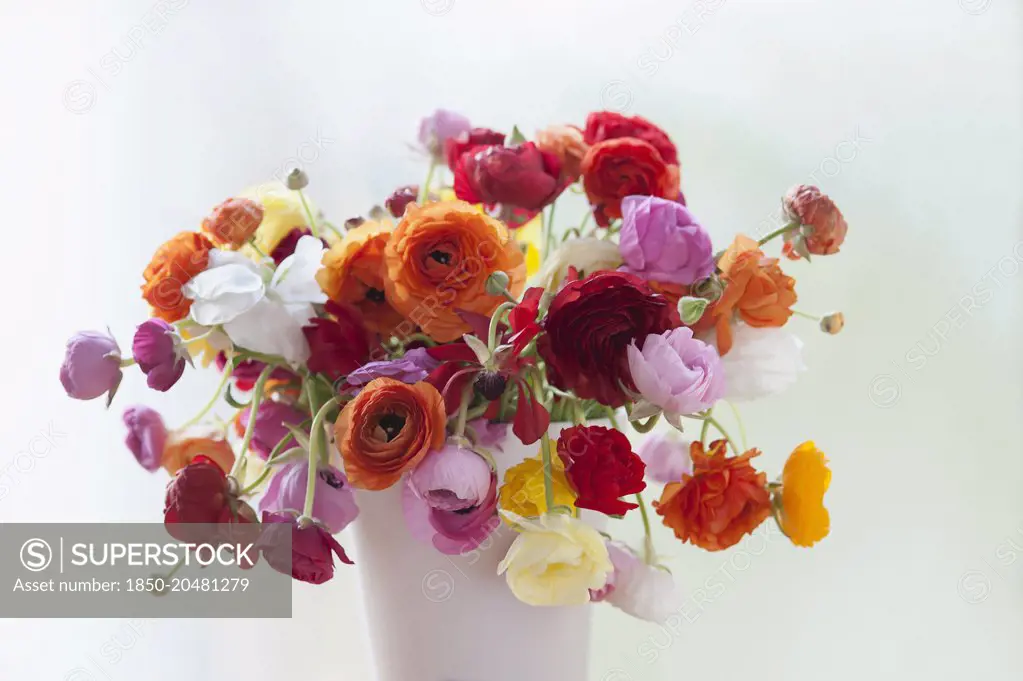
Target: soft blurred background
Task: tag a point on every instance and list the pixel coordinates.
(124, 122)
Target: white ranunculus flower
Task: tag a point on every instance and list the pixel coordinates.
(641, 590)
(586, 255)
(258, 308)
(763, 361)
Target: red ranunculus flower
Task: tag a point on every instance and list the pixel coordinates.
(308, 557)
(616, 168)
(609, 125)
(286, 246)
(247, 372)
(523, 319)
(522, 176)
(601, 467)
(454, 147)
(337, 346)
(199, 494)
(589, 327)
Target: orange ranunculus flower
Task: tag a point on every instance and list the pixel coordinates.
(616, 168)
(567, 143)
(756, 290)
(388, 429)
(180, 451)
(233, 222)
(804, 481)
(353, 273)
(722, 501)
(172, 266)
(438, 262)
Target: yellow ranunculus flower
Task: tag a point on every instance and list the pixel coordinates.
(522, 492)
(555, 560)
(804, 481)
(282, 212)
(531, 235)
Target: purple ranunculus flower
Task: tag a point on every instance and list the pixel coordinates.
(146, 437)
(272, 419)
(662, 241)
(452, 478)
(450, 532)
(333, 502)
(676, 372)
(92, 366)
(407, 369)
(666, 457)
(437, 128)
(158, 353)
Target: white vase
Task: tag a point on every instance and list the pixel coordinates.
(434, 617)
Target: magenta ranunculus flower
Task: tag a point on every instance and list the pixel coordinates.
(676, 372)
(438, 128)
(662, 241)
(407, 369)
(450, 532)
(272, 420)
(312, 549)
(92, 366)
(146, 437)
(333, 502)
(666, 457)
(452, 478)
(159, 354)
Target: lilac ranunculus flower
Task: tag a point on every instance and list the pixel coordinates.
(92, 366)
(333, 502)
(666, 457)
(641, 590)
(437, 128)
(146, 437)
(272, 420)
(489, 434)
(676, 372)
(411, 368)
(452, 478)
(159, 354)
(662, 241)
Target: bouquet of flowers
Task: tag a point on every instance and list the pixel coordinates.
(399, 347)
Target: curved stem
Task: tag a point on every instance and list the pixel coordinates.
(713, 421)
(611, 417)
(308, 214)
(280, 458)
(316, 432)
(463, 410)
(781, 230)
(250, 429)
(738, 422)
(548, 478)
(228, 370)
(648, 425)
(424, 191)
(648, 543)
(494, 321)
(706, 427)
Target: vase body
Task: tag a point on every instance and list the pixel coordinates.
(434, 617)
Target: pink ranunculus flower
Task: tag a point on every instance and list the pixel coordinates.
(307, 557)
(440, 126)
(333, 501)
(452, 478)
(641, 590)
(677, 372)
(666, 457)
(158, 353)
(450, 532)
(489, 434)
(823, 227)
(92, 366)
(272, 421)
(146, 437)
(662, 241)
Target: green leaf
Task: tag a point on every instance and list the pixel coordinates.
(516, 137)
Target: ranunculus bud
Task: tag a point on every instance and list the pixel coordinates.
(710, 288)
(691, 309)
(92, 366)
(312, 549)
(158, 353)
(497, 283)
(401, 197)
(832, 323)
(490, 384)
(233, 222)
(297, 179)
(521, 176)
(198, 494)
(822, 226)
(147, 436)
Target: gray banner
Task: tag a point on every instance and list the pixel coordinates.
(139, 570)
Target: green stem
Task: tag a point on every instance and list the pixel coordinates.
(463, 410)
(424, 191)
(548, 239)
(738, 421)
(316, 432)
(713, 421)
(781, 230)
(495, 319)
(268, 469)
(127, 362)
(548, 478)
(648, 425)
(228, 370)
(257, 249)
(586, 220)
(806, 315)
(250, 429)
(648, 544)
(611, 417)
(706, 427)
(308, 214)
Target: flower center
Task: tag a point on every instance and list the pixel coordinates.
(331, 479)
(391, 424)
(375, 295)
(441, 257)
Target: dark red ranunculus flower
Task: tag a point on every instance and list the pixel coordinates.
(454, 147)
(339, 345)
(247, 373)
(197, 494)
(609, 125)
(589, 327)
(287, 245)
(602, 468)
(523, 319)
(400, 198)
(308, 557)
(522, 176)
